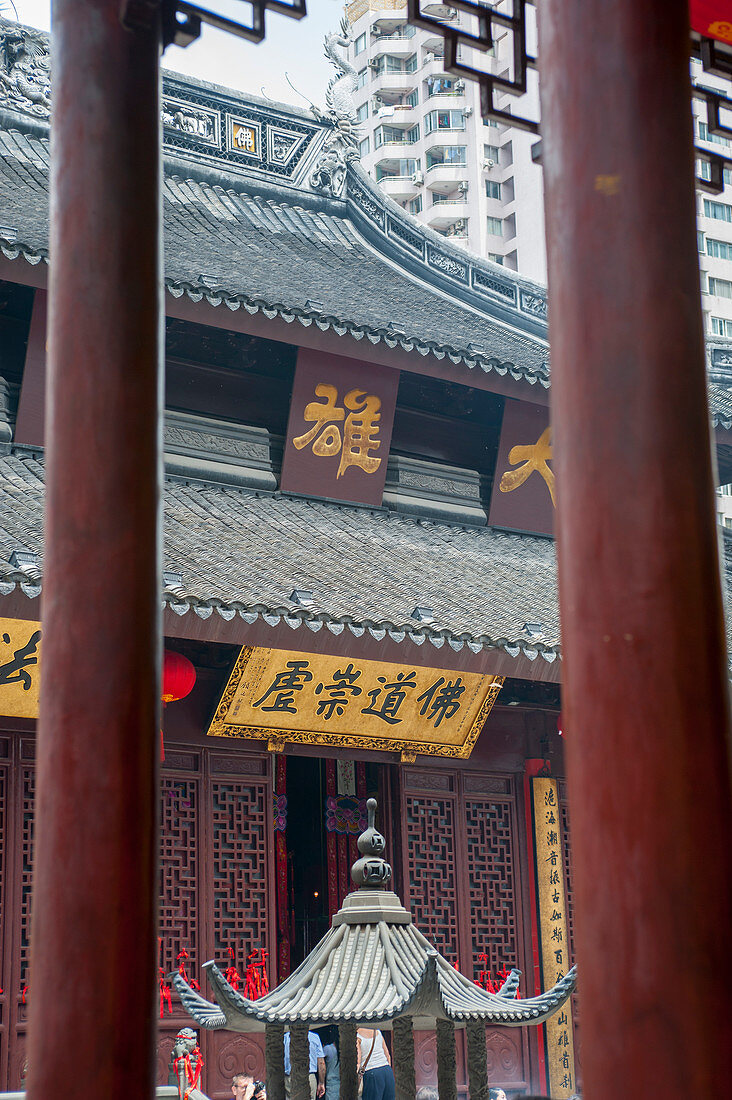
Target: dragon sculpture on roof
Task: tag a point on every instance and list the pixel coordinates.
(25, 70)
(341, 144)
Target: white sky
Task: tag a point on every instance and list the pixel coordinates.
(289, 47)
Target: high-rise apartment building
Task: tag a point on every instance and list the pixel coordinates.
(424, 140)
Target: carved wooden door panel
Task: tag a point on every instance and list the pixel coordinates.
(217, 896)
(5, 920)
(461, 874)
(17, 790)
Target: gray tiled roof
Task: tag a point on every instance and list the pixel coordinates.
(241, 553)
(250, 252)
(244, 553)
(401, 974)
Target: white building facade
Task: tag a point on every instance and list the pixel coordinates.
(423, 138)
(424, 141)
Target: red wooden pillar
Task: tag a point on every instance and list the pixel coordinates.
(93, 953)
(645, 698)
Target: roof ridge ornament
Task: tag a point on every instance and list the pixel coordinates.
(371, 871)
(341, 144)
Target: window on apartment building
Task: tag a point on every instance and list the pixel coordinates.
(720, 288)
(704, 172)
(716, 139)
(720, 211)
(399, 169)
(364, 146)
(360, 44)
(391, 134)
(495, 257)
(446, 154)
(721, 327)
(412, 99)
(413, 134)
(700, 240)
(490, 152)
(495, 226)
(362, 113)
(725, 490)
(410, 65)
(492, 189)
(722, 250)
(361, 79)
(414, 206)
(440, 85)
(444, 120)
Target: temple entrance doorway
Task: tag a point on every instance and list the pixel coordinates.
(320, 809)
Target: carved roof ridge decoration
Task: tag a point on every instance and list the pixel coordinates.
(372, 966)
(417, 247)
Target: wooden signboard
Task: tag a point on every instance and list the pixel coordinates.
(552, 899)
(20, 667)
(339, 430)
(323, 700)
(523, 496)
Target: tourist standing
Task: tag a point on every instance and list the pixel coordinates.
(374, 1064)
(316, 1066)
(331, 1052)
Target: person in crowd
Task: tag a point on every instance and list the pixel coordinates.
(374, 1065)
(242, 1086)
(427, 1092)
(330, 1039)
(316, 1067)
(496, 1094)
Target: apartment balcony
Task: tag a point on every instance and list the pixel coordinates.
(394, 45)
(390, 18)
(398, 188)
(440, 11)
(445, 99)
(390, 151)
(396, 114)
(445, 212)
(395, 83)
(444, 178)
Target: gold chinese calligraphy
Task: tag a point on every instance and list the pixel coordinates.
(360, 428)
(319, 699)
(20, 657)
(339, 428)
(553, 930)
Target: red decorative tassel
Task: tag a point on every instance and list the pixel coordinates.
(165, 997)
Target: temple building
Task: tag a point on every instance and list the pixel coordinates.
(359, 590)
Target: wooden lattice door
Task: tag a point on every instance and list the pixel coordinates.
(216, 892)
(217, 889)
(462, 880)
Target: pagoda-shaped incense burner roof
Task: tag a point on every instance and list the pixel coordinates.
(372, 966)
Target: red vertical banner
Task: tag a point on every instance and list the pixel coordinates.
(280, 824)
(331, 841)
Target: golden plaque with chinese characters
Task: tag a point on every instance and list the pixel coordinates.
(20, 667)
(339, 428)
(554, 943)
(317, 699)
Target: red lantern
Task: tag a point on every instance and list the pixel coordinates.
(179, 676)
